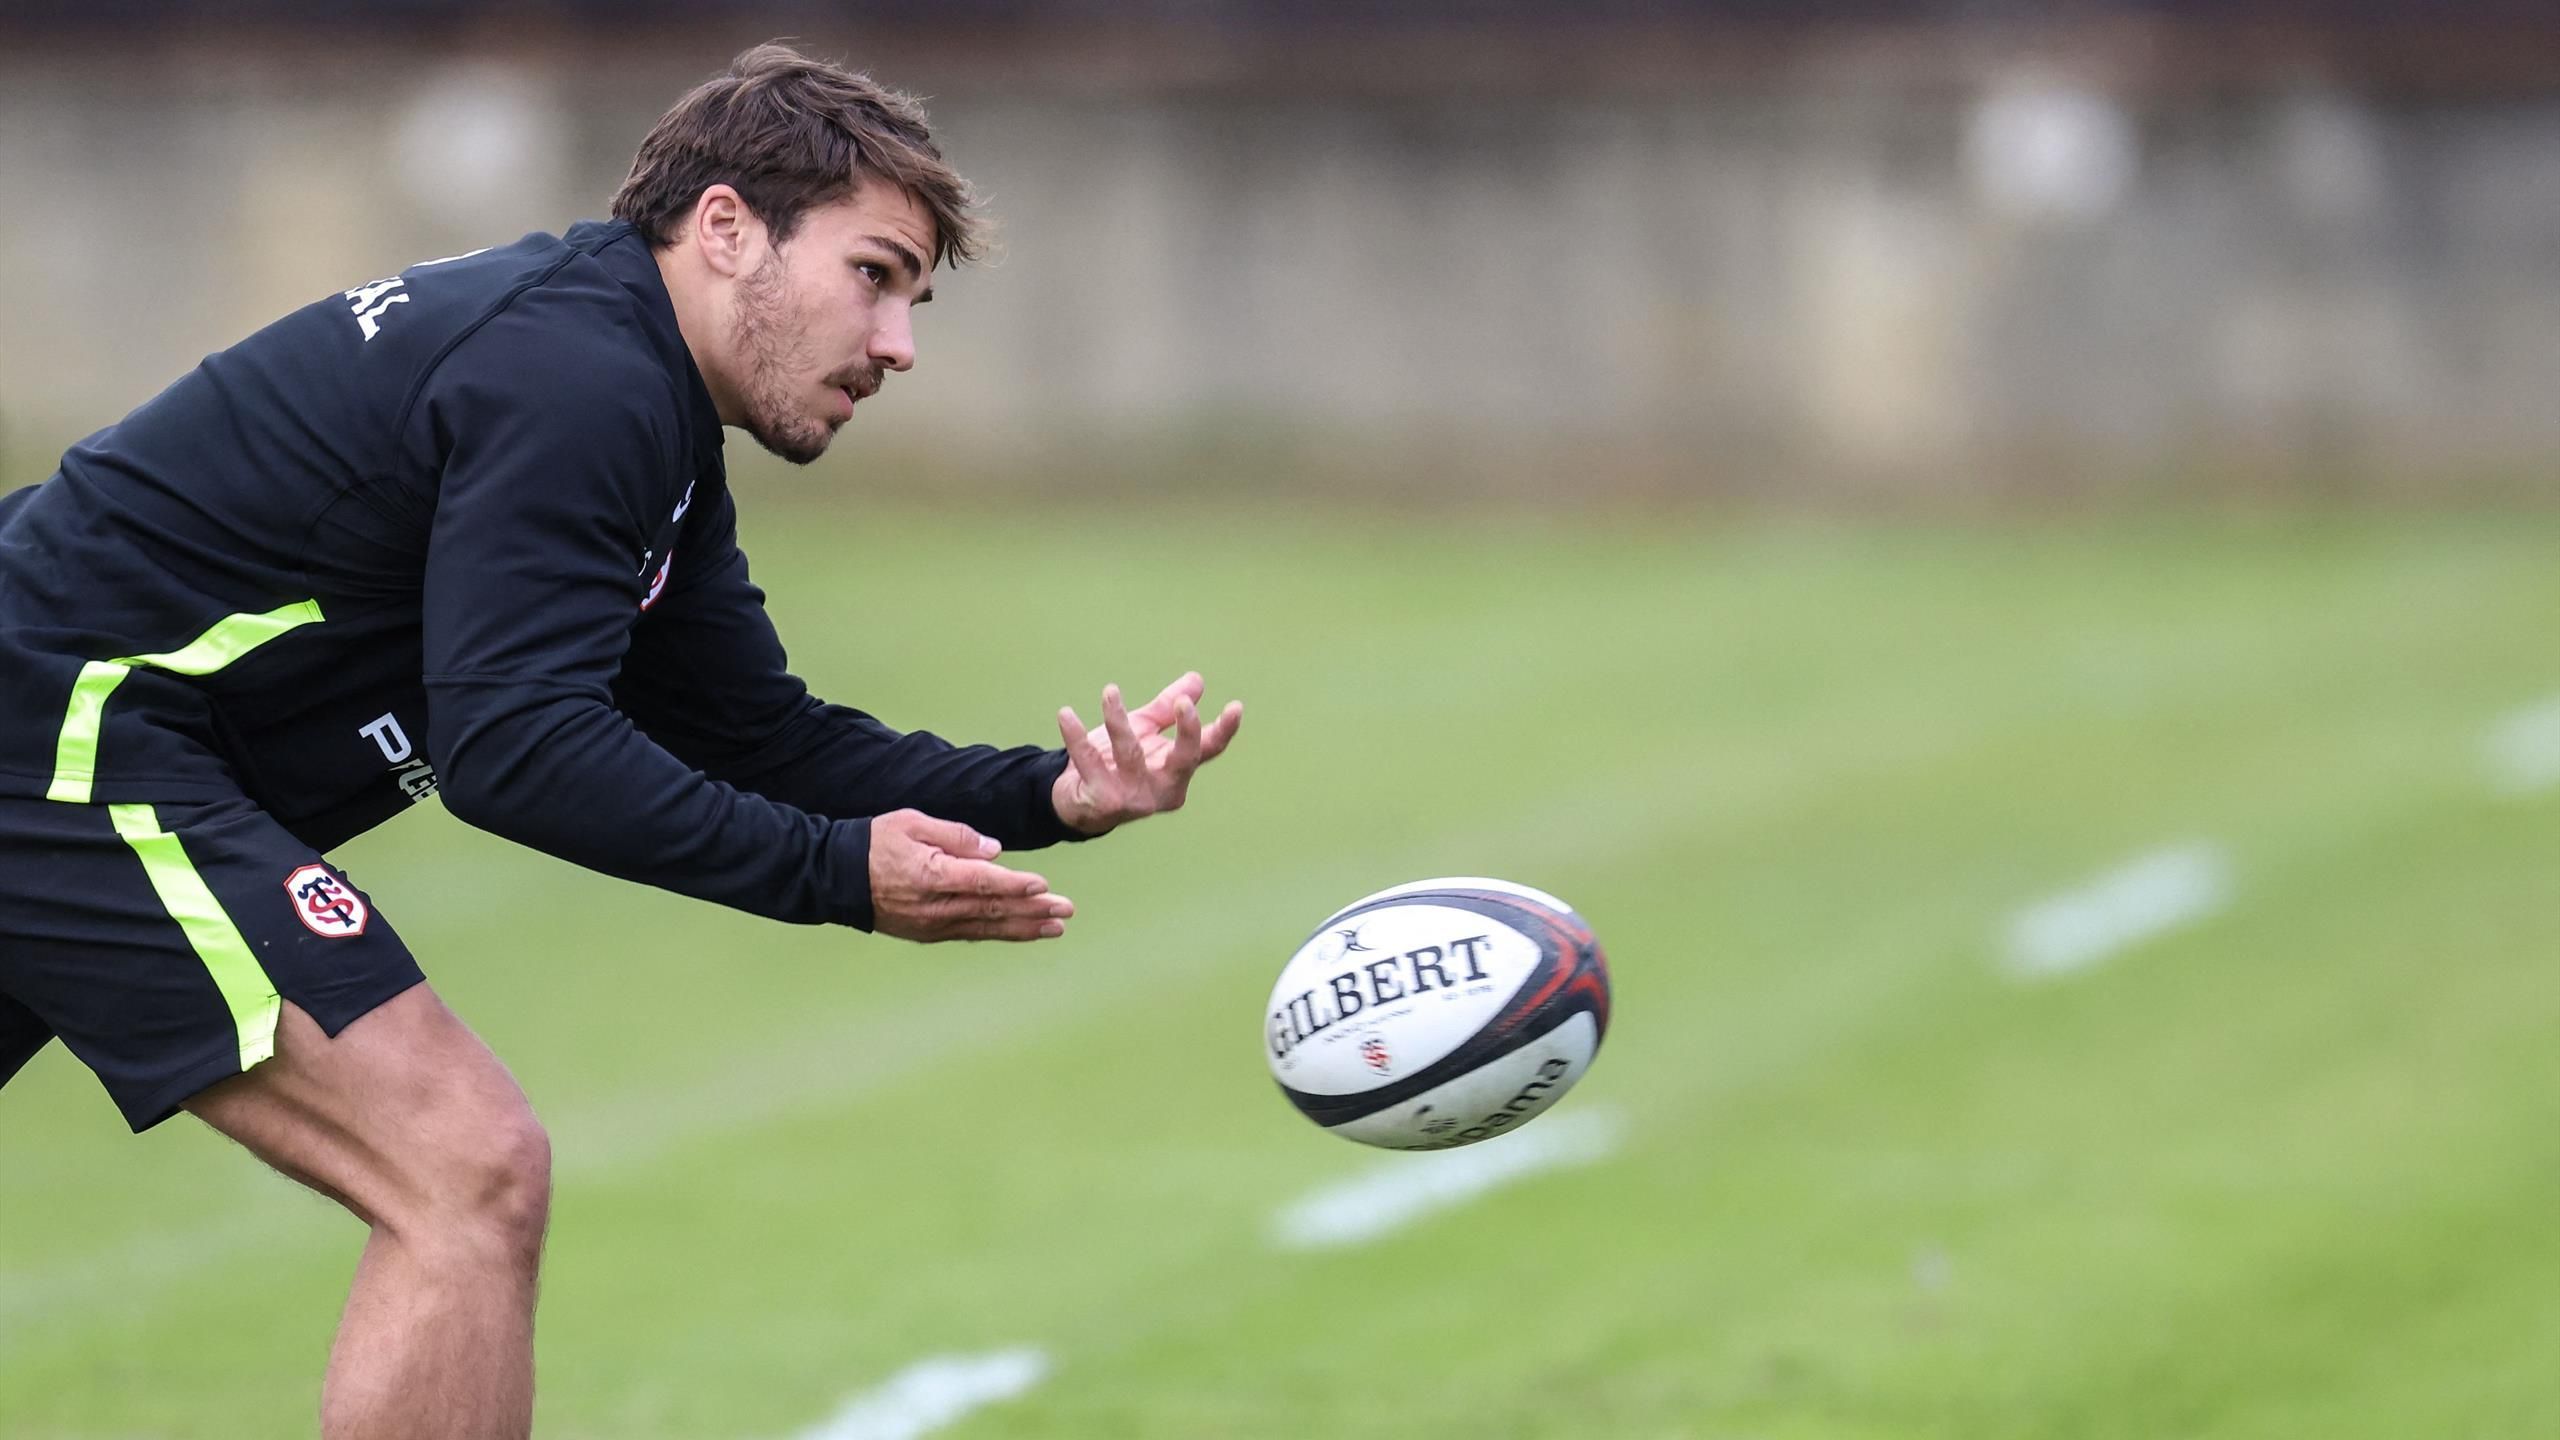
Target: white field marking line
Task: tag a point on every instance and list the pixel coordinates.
(1405, 1188)
(2523, 749)
(933, 1393)
(2147, 897)
(135, 1268)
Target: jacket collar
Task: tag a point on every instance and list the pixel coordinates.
(625, 254)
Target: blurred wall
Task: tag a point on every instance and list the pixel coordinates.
(1859, 259)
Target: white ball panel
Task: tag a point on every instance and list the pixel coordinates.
(1489, 1101)
(1457, 882)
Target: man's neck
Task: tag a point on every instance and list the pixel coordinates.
(697, 322)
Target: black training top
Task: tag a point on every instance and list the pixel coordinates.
(467, 527)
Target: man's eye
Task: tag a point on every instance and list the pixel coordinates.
(876, 274)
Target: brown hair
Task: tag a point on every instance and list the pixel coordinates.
(789, 132)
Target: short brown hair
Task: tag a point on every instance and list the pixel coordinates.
(789, 132)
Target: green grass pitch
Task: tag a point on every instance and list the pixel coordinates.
(2285, 1172)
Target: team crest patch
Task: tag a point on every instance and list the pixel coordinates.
(658, 586)
(328, 906)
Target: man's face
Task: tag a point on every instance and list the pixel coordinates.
(822, 319)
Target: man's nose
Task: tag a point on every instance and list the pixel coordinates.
(893, 341)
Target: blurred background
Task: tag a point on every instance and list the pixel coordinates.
(1671, 250)
(2006, 555)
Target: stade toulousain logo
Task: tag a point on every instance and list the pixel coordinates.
(658, 586)
(327, 906)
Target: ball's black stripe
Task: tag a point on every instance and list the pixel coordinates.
(1331, 1110)
(1491, 1043)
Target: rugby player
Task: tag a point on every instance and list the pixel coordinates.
(467, 529)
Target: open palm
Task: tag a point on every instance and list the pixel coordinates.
(1138, 763)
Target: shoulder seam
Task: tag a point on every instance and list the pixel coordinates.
(435, 362)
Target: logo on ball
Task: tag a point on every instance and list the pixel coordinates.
(1374, 1050)
(1345, 941)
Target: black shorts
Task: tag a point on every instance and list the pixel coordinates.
(159, 942)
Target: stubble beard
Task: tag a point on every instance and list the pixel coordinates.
(775, 354)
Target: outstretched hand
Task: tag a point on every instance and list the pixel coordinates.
(1138, 763)
(938, 880)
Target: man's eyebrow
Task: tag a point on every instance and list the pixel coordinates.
(906, 257)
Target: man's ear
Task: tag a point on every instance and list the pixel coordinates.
(729, 237)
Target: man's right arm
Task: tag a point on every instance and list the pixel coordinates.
(706, 677)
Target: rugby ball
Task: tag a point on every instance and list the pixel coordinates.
(1438, 1014)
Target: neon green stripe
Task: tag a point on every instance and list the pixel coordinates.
(75, 755)
(230, 639)
(218, 943)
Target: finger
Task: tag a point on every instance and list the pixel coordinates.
(1186, 740)
(1015, 924)
(1080, 749)
(1000, 909)
(1222, 731)
(1124, 740)
(1158, 713)
(951, 837)
(979, 879)
(1019, 931)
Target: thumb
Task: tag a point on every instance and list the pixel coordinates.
(952, 838)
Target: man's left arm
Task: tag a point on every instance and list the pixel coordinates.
(706, 678)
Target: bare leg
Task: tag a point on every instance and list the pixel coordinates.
(408, 1121)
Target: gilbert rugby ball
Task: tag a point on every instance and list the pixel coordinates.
(1438, 1014)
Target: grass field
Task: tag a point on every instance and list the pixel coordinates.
(2285, 1171)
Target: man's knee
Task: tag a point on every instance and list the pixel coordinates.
(490, 1190)
(408, 1120)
